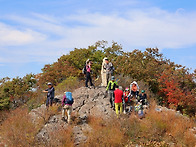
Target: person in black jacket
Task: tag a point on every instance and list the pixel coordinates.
(50, 94)
(143, 98)
(110, 88)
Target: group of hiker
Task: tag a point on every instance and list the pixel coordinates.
(119, 100)
(66, 102)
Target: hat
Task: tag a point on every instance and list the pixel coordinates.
(105, 58)
(49, 83)
(112, 78)
(134, 82)
(127, 89)
(143, 91)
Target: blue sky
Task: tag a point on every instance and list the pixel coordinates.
(34, 33)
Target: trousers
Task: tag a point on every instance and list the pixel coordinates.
(68, 109)
(117, 106)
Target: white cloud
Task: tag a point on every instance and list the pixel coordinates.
(12, 36)
(137, 28)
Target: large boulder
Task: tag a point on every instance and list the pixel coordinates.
(87, 102)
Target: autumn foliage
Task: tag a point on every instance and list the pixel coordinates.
(176, 94)
(171, 84)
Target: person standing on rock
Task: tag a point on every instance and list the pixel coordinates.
(107, 71)
(88, 73)
(67, 106)
(118, 96)
(50, 94)
(103, 74)
(111, 87)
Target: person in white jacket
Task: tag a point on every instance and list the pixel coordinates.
(107, 71)
(103, 74)
(134, 88)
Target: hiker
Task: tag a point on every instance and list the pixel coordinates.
(126, 97)
(111, 87)
(118, 96)
(88, 73)
(103, 74)
(108, 71)
(134, 88)
(50, 94)
(67, 106)
(139, 110)
(143, 98)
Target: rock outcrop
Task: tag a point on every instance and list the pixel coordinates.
(87, 102)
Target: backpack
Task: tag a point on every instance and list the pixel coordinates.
(69, 98)
(84, 69)
(111, 67)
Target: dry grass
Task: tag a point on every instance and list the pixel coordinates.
(18, 129)
(104, 133)
(62, 137)
(157, 129)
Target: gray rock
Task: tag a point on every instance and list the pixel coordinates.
(87, 102)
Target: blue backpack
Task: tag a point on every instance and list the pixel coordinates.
(69, 98)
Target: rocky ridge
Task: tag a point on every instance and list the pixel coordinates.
(87, 102)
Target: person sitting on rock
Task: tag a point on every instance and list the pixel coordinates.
(118, 96)
(134, 89)
(111, 87)
(143, 98)
(139, 110)
(67, 106)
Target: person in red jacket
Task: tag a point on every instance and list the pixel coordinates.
(118, 95)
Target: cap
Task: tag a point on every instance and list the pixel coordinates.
(127, 89)
(143, 91)
(112, 78)
(49, 83)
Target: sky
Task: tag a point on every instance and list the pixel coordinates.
(37, 32)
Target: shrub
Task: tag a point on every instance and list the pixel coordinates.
(156, 129)
(70, 84)
(62, 137)
(104, 133)
(18, 129)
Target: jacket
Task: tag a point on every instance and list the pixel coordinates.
(111, 85)
(51, 92)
